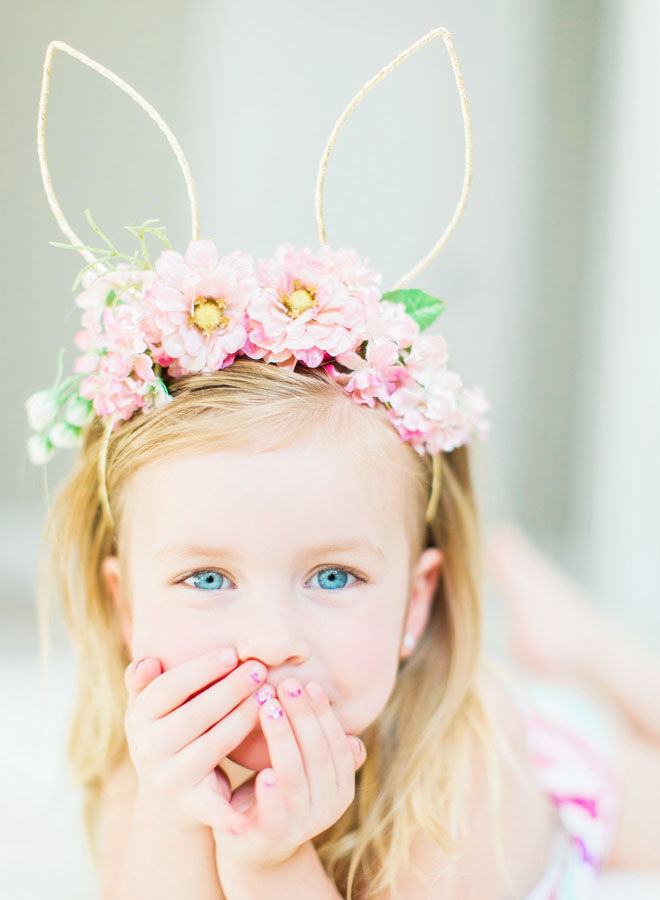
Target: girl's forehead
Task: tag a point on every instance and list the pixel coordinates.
(307, 486)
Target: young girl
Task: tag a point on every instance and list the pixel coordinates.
(274, 594)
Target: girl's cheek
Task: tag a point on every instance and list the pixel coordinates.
(172, 635)
(368, 665)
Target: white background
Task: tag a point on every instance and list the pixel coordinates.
(551, 280)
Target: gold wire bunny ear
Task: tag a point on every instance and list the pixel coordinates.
(426, 39)
(139, 99)
(55, 207)
(436, 459)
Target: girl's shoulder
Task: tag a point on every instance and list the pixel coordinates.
(528, 822)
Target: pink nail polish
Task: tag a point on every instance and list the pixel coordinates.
(274, 711)
(258, 674)
(264, 694)
(295, 693)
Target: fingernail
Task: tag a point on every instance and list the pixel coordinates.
(314, 691)
(258, 673)
(227, 657)
(264, 694)
(270, 780)
(140, 661)
(274, 710)
(357, 745)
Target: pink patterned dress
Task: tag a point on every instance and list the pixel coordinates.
(572, 741)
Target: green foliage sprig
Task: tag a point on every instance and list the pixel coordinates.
(109, 256)
(423, 308)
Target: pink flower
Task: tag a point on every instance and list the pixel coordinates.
(119, 386)
(372, 378)
(428, 355)
(119, 372)
(389, 321)
(100, 292)
(305, 311)
(426, 403)
(439, 415)
(194, 312)
(348, 267)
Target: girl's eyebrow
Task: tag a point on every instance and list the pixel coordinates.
(177, 550)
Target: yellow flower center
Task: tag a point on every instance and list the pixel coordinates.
(300, 299)
(207, 314)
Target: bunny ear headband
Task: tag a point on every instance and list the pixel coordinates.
(145, 324)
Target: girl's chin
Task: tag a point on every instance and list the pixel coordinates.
(252, 752)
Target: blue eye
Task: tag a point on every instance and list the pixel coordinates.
(206, 580)
(333, 579)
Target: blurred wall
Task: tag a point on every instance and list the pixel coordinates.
(105, 154)
(613, 472)
(549, 279)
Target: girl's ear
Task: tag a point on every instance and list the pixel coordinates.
(113, 576)
(422, 590)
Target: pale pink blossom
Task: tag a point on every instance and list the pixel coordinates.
(119, 371)
(122, 285)
(374, 377)
(194, 311)
(354, 272)
(428, 355)
(439, 415)
(389, 321)
(119, 386)
(304, 311)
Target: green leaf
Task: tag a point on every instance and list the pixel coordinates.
(423, 308)
(111, 296)
(109, 257)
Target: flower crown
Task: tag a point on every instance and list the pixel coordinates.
(198, 312)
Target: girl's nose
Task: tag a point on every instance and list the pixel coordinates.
(272, 632)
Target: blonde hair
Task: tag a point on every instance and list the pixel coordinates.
(415, 773)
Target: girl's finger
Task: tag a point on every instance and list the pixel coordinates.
(205, 752)
(358, 749)
(272, 810)
(317, 761)
(285, 757)
(216, 812)
(342, 754)
(209, 706)
(141, 672)
(176, 685)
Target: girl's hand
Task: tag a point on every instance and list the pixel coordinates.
(181, 723)
(310, 785)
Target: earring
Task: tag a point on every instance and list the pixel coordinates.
(408, 641)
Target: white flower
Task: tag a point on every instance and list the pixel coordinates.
(61, 434)
(79, 411)
(41, 409)
(39, 449)
(160, 396)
